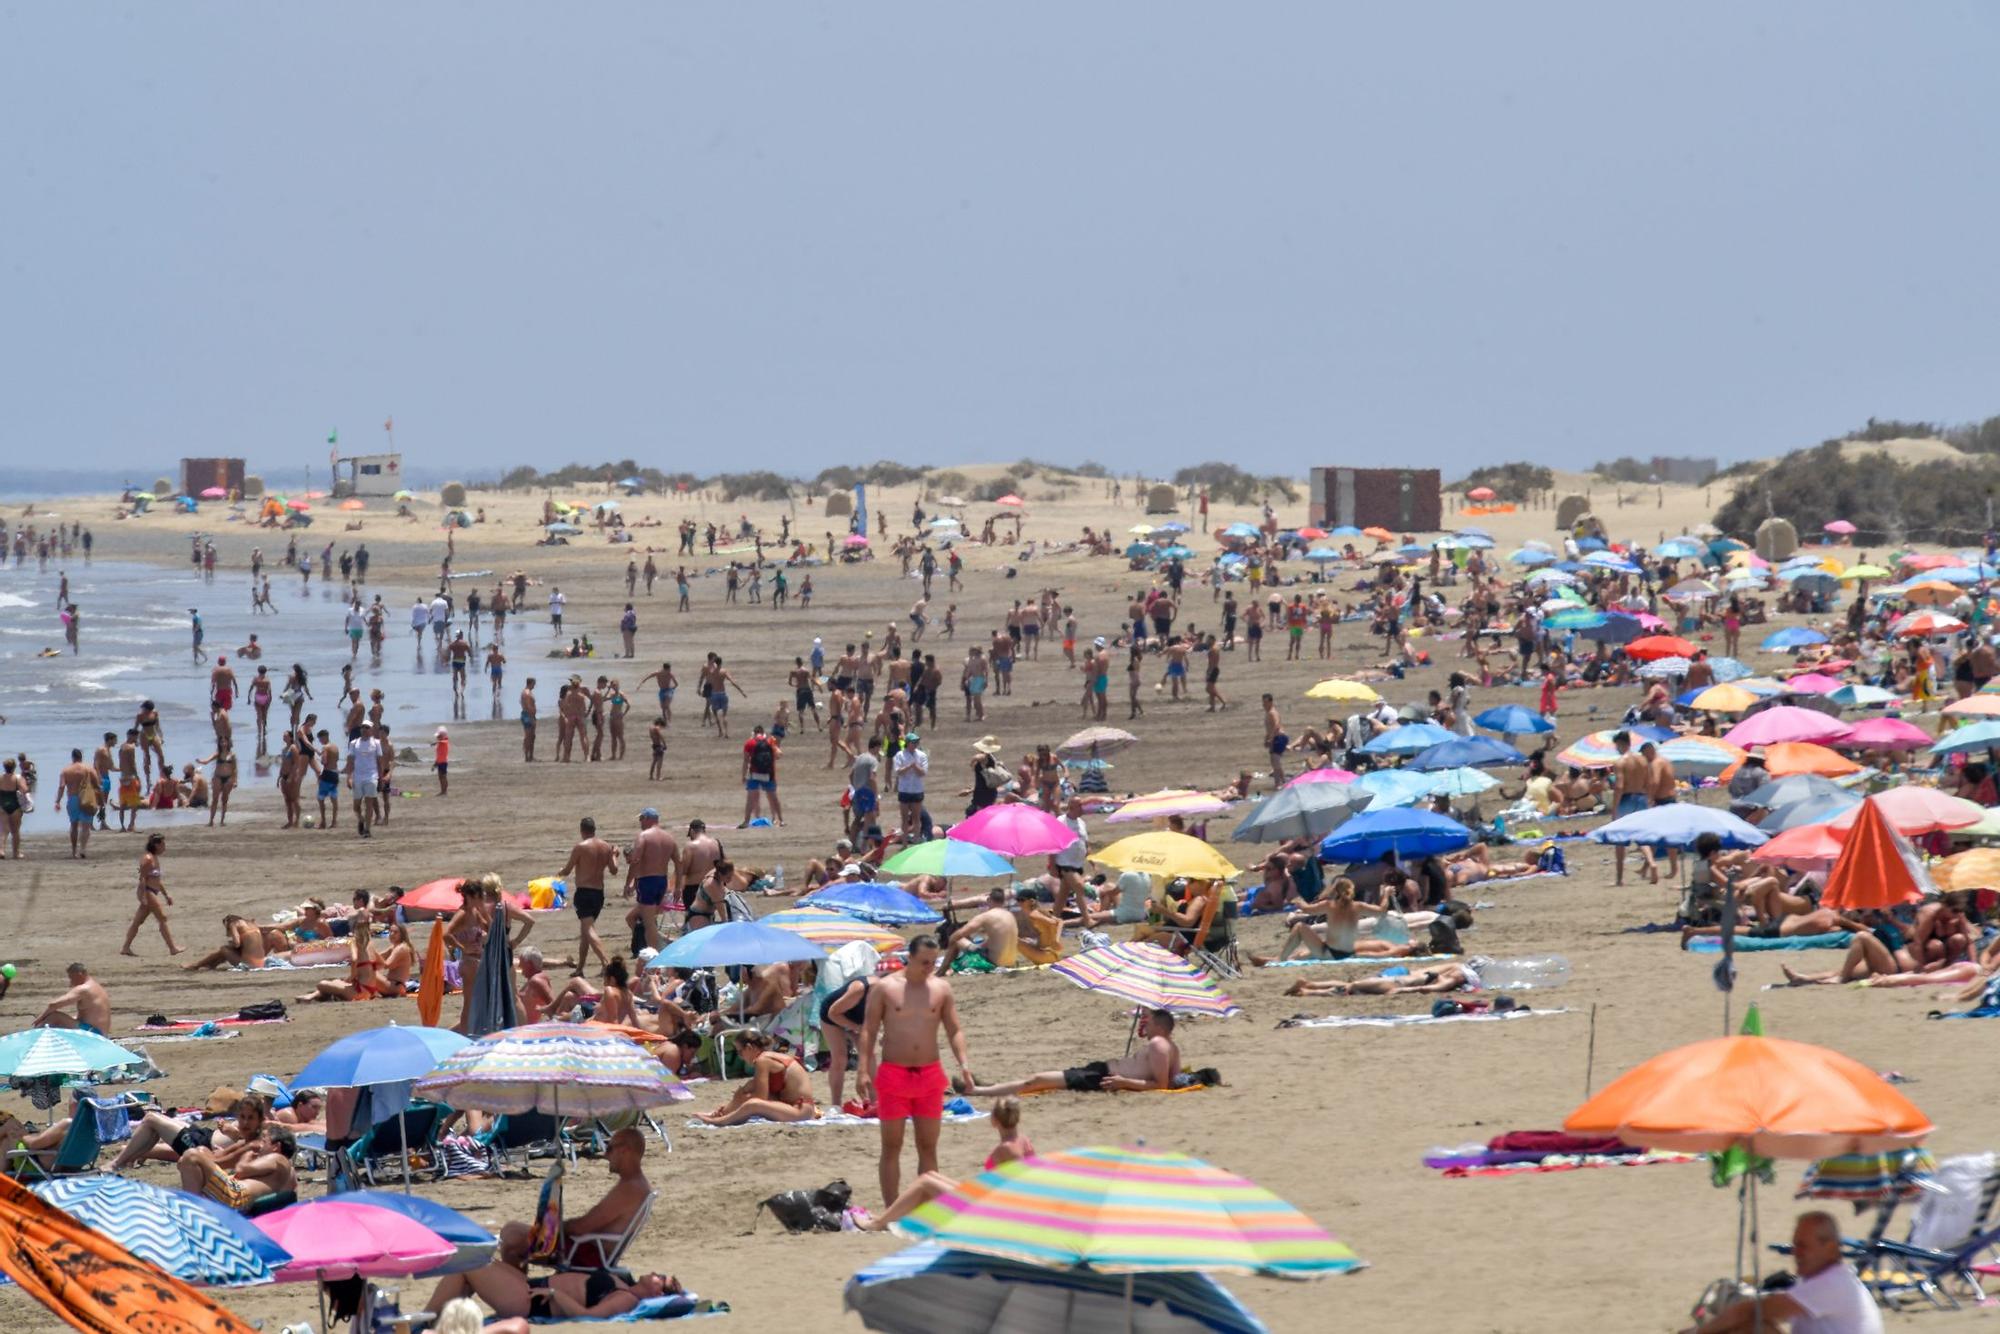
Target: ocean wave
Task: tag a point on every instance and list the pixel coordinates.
(16, 600)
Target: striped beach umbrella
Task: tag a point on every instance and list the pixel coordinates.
(1700, 756)
(562, 1069)
(60, 1051)
(1160, 805)
(1148, 976)
(830, 930)
(190, 1236)
(1119, 1210)
(1592, 751)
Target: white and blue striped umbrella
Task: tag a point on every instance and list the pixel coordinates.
(60, 1051)
(192, 1238)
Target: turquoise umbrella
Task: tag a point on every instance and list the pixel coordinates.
(60, 1051)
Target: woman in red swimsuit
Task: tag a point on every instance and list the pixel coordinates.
(1013, 1145)
(779, 1089)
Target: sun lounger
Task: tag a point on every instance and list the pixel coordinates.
(1408, 1020)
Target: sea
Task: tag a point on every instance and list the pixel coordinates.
(135, 643)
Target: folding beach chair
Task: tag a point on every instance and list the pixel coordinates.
(382, 1153)
(1948, 1240)
(523, 1138)
(606, 1250)
(77, 1153)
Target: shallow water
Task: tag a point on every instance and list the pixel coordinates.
(135, 644)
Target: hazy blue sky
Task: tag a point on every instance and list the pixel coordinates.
(726, 236)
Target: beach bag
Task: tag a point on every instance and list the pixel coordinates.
(262, 1011)
(1718, 1297)
(809, 1211)
(1552, 860)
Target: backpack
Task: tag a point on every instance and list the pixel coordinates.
(760, 756)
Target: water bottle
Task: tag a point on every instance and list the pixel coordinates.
(778, 876)
(1532, 974)
(1500, 826)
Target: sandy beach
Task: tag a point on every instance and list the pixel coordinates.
(1335, 1120)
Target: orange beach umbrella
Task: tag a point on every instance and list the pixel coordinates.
(1785, 758)
(1877, 867)
(1775, 1097)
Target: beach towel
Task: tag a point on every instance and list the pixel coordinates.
(206, 1033)
(1407, 1020)
(190, 1025)
(832, 1119)
(1365, 961)
(1832, 940)
(675, 1306)
(1572, 1164)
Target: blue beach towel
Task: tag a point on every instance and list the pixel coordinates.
(1832, 940)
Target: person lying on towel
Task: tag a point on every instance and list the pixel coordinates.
(1154, 1066)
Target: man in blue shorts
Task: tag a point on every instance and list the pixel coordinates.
(1635, 784)
(650, 874)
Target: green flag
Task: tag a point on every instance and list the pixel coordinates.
(1753, 1023)
(333, 437)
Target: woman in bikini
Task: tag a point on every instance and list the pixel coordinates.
(706, 902)
(483, 908)
(779, 1089)
(369, 977)
(260, 700)
(1013, 1147)
(153, 897)
(222, 782)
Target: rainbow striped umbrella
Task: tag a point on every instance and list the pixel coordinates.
(1149, 976)
(1594, 751)
(562, 1069)
(831, 930)
(1129, 1211)
(1701, 756)
(1169, 801)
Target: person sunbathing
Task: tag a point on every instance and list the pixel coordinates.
(166, 1139)
(1005, 1117)
(779, 1089)
(1474, 864)
(992, 935)
(504, 1285)
(242, 946)
(1155, 1065)
(307, 1111)
(1445, 977)
(1338, 937)
(264, 1168)
(370, 977)
(15, 1138)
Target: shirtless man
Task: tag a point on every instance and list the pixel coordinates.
(1635, 785)
(589, 862)
(1275, 742)
(1155, 1065)
(1662, 789)
(243, 943)
(88, 998)
(528, 720)
(79, 794)
(574, 707)
(993, 935)
(653, 872)
(264, 1169)
(222, 687)
(699, 854)
(905, 1079)
(537, 992)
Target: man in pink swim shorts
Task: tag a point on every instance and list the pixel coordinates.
(907, 1081)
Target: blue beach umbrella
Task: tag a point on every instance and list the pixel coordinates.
(1815, 809)
(189, 1236)
(1796, 636)
(1965, 740)
(1613, 629)
(1531, 556)
(1240, 530)
(1345, 530)
(1467, 752)
(1677, 826)
(732, 944)
(60, 1051)
(1178, 553)
(1406, 833)
(1392, 787)
(1462, 783)
(1727, 670)
(1322, 555)
(1171, 526)
(1408, 739)
(1512, 720)
(884, 905)
(379, 1056)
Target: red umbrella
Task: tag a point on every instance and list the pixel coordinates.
(1312, 534)
(1480, 493)
(213, 493)
(437, 895)
(1877, 867)
(1660, 646)
(1010, 500)
(1928, 624)
(1809, 847)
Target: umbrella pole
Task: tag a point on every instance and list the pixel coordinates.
(1128, 1302)
(403, 1132)
(1132, 1036)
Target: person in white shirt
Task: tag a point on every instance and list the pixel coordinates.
(440, 617)
(1828, 1298)
(420, 616)
(911, 766)
(357, 626)
(1069, 862)
(364, 774)
(556, 600)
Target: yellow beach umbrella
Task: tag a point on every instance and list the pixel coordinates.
(1976, 869)
(1343, 691)
(1166, 853)
(1931, 593)
(1725, 699)
(1854, 572)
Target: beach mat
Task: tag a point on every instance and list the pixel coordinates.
(221, 1021)
(674, 1306)
(1832, 940)
(829, 1119)
(157, 1041)
(1409, 1020)
(1572, 1164)
(1364, 961)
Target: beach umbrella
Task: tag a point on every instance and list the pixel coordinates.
(561, 529)
(1015, 829)
(1727, 670)
(1462, 783)
(387, 1055)
(1480, 493)
(884, 905)
(1812, 683)
(353, 503)
(1548, 578)
(1530, 556)
(1877, 867)
(332, 1238)
(633, 483)
(1383, 558)
(1660, 646)
(89, 1282)
(1969, 738)
(1936, 560)
(299, 505)
(1700, 756)
(1141, 529)
(1148, 976)
(1163, 804)
(1512, 720)
(1803, 757)
(1311, 533)
(1785, 723)
(1322, 555)
(1678, 825)
(1409, 739)
(927, 1290)
(441, 896)
(34, 1052)
(189, 1236)
(830, 930)
(947, 856)
(1594, 750)
(857, 540)
(1854, 695)
(1838, 526)
(1665, 668)
(562, 1069)
(1870, 1178)
(1474, 541)
(1926, 625)
(1976, 868)
(1177, 553)
(1342, 691)
(404, 495)
(1963, 576)
(1916, 811)
(1978, 706)
(1011, 501)
(1473, 752)
(1240, 530)
(1885, 734)
(1379, 533)
(1406, 833)
(1097, 741)
(1393, 787)
(1141, 549)
(1797, 636)
(1721, 699)
(1166, 853)
(1612, 628)
(1782, 792)
(1773, 1097)
(1127, 1210)
(1329, 774)
(737, 944)
(1301, 810)
(1172, 526)
(1814, 810)
(1345, 530)
(1864, 571)
(1681, 548)
(1809, 847)
(1930, 593)
(213, 493)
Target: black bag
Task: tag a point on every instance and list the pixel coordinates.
(270, 1009)
(809, 1211)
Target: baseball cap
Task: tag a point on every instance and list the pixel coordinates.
(649, 813)
(852, 868)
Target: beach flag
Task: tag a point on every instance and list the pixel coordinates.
(333, 436)
(1877, 867)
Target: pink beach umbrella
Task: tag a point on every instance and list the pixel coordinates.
(1841, 527)
(1885, 734)
(1812, 683)
(1334, 775)
(213, 493)
(1915, 811)
(1785, 723)
(856, 540)
(1015, 829)
(335, 1238)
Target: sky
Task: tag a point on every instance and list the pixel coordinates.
(787, 235)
